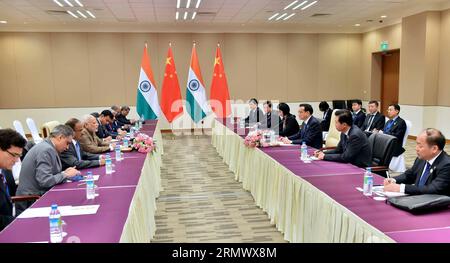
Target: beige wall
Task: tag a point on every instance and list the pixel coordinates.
(99, 69)
(444, 63)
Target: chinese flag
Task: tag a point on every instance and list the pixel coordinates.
(171, 103)
(220, 97)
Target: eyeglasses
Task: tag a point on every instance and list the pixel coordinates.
(15, 155)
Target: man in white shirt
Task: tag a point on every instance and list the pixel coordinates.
(430, 173)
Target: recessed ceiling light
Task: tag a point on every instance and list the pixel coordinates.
(81, 14)
(383, 16)
(193, 15)
(177, 15)
(310, 4)
(3, 22)
(357, 24)
(72, 14)
(289, 16)
(291, 4)
(198, 3)
(178, 3)
(283, 15)
(299, 5)
(69, 3)
(185, 15)
(89, 13)
(272, 17)
(188, 3)
(58, 3)
(78, 2)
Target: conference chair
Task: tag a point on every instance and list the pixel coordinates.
(398, 163)
(333, 136)
(19, 128)
(382, 146)
(48, 127)
(339, 104)
(34, 131)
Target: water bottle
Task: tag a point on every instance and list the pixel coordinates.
(368, 182)
(141, 122)
(108, 164)
(125, 141)
(55, 225)
(304, 152)
(118, 153)
(90, 186)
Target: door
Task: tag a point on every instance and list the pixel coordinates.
(390, 69)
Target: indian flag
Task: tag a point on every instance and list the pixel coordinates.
(147, 104)
(196, 103)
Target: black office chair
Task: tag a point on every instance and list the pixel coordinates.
(339, 104)
(382, 151)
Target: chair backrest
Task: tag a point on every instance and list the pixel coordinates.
(48, 127)
(19, 128)
(382, 148)
(339, 104)
(34, 131)
(408, 129)
(334, 136)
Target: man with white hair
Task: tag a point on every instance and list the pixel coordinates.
(89, 141)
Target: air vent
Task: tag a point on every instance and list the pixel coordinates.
(56, 12)
(320, 15)
(206, 13)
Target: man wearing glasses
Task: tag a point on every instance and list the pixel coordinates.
(11, 145)
(41, 167)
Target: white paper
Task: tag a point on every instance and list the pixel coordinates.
(379, 191)
(64, 210)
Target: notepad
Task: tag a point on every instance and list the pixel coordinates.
(379, 190)
(64, 210)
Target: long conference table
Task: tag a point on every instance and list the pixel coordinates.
(127, 200)
(318, 201)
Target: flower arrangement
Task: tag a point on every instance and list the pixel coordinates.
(254, 139)
(144, 143)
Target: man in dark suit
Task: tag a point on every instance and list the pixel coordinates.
(325, 108)
(395, 126)
(353, 146)
(74, 156)
(11, 145)
(358, 114)
(430, 173)
(105, 118)
(310, 130)
(255, 116)
(122, 118)
(273, 119)
(374, 119)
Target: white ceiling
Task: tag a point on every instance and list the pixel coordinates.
(213, 16)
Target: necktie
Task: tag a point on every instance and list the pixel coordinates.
(3, 178)
(77, 148)
(354, 116)
(424, 177)
(370, 122)
(305, 126)
(269, 120)
(387, 128)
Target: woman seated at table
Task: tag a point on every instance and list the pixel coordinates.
(289, 125)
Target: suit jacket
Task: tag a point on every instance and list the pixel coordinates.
(311, 134)
(122, 120)
(398, 129)
(326, 120)
(355, 149)
(255, 116)
(6, 207)
(359, 119)
(273, 121)
(377, 122)
(438, 181)
(289, 126)
(92, 144)
(69, 158)
(102, 131)
(41, 170)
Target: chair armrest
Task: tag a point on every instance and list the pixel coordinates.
(21, 198)
(379, 168)
(327, 148)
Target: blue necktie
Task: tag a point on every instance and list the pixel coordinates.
(425, 175)
(77, 148)
(3, 178)
(388, 126)
(303, 131)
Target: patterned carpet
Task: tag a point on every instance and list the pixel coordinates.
(203, 203)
